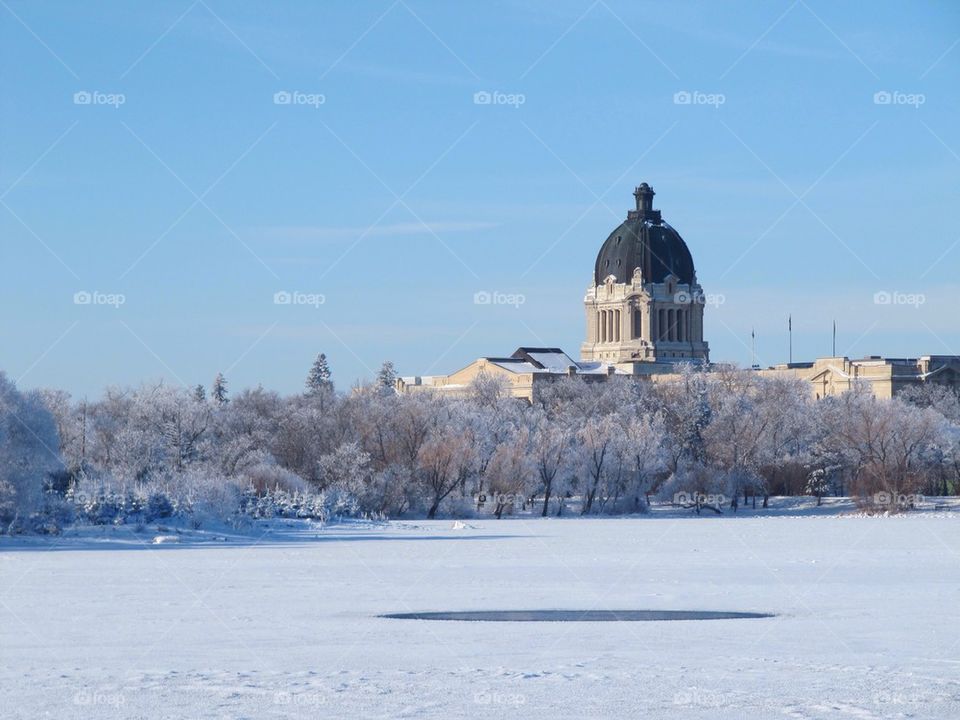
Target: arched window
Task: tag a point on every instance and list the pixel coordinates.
(637, 323)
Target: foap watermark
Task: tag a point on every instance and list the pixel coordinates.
(299, 699)
(699, 498)
(898, 697)
(888, 499)
(95, 97)
(696, 97)
(897, 97)
(684, 297)
(88, 698)
(502, 499)
(85, 297)
(492, 697)
(895, 297)
(495, 97)
(698, 697)
(296, 297)
(495, 297)
(296, 97)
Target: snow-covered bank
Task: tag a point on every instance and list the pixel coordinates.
(286, 625)
(247, 531)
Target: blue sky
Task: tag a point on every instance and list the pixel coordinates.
(182, 185)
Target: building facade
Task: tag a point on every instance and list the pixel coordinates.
(645, 314)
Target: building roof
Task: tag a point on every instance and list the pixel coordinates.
(644, 241)
(539, 360)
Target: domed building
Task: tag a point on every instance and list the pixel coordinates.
(645, 304)
(644, 313)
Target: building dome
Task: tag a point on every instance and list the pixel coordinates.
(644, 241)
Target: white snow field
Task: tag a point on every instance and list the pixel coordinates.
(286, 625)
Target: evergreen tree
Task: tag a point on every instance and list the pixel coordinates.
(319, 381)
(219, 390)
(200, 393)
(386, 378)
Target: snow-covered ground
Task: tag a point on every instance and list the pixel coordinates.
(285, 624)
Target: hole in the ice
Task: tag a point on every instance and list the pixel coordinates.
(578, 615)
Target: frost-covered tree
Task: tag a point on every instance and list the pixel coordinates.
(509, 472)
(346, 468)
(550, 442)
(200, 393)
(641, 444)
(29, 451)
(244, 432)
(71, 421)
(789, 431)
(443, 459)
(888, 447)
(595, 448)
(219, 390)
(818, 483)
(181, 424)
(319, 379)
(387, 378)
(686, 412)
(488, 390)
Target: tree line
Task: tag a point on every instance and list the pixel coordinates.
(711, 441)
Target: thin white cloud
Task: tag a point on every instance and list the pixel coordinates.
(320, 232)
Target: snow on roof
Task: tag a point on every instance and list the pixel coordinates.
(553, 361)
(547, 361)
(516, 366)
(592, 368)
(419, 379)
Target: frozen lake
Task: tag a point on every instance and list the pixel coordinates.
(286, 625)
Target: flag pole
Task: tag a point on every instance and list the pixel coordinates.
(790, 333)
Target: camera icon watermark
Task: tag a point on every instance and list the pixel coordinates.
(897, 697)
(95, 97)
(88, 698)
(495, 297)
(896, 97)
(895, 297)
(696, 97)
(501, 499)
(85, 297)
(492, 697)
(299, 699)
(889, 499)
(689, 499)
(296, 97)
(685, 297)
(296, 297)
(495, 97)
(698, 697)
